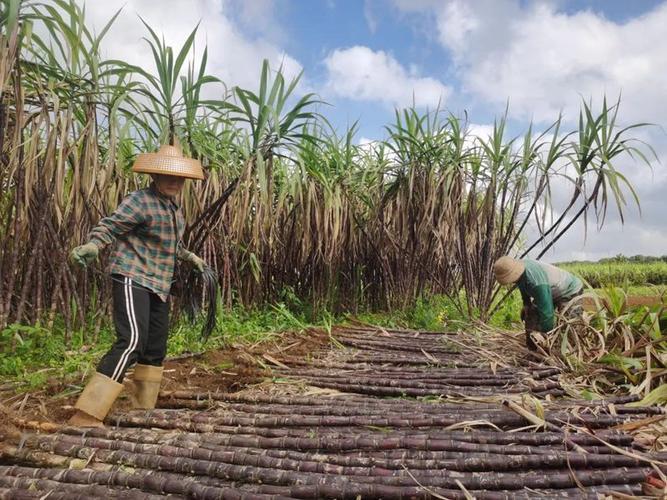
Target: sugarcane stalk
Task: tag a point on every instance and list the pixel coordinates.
(418, 375)
(471, 480)
(403, 382)
(324, 443)
(304, 462)
(412, 392)
(465, 463)
(380, 409)
(22, 494)
(158, 482)
(343, 410)
(482, 437)
(47, 486)
(507, 419)
(361, 401)
(234, 424)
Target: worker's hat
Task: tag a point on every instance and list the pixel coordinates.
(508, 270)
(168, 160)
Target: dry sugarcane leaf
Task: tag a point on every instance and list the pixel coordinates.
(635, 455)
(382, 332)
(427, 490)
(23, 403)
(472, 423)
(431, 357)
(520, 410)
(274, 361)
(622, 496)
(319, 391)
(573, 474)
(288, 347)
(638, 424)
(464, 490)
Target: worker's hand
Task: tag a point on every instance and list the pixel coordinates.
(84, 254)
(198, 263)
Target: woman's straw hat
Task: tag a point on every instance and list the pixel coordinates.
(508, 270)
(168, 161)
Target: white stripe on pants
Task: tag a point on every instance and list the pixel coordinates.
(134, 331)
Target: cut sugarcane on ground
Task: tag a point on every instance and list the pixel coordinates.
(363, 412)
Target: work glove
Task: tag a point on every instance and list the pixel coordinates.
(198, 263)
(84, 254)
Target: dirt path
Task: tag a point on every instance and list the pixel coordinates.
(382, 414)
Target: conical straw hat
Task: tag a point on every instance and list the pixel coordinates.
(508, 270)
(168, 161)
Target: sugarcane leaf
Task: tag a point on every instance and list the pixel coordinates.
(657, 396)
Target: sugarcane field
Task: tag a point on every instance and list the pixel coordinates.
(378, 249)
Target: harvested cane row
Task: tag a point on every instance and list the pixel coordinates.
(485, 429)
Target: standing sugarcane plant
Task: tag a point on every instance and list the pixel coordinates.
(273, 130)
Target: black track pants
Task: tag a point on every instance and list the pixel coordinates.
(142, 328)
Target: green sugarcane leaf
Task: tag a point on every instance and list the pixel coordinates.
(657, 396)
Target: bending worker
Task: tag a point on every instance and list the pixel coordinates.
(544, 288)
(145, 233)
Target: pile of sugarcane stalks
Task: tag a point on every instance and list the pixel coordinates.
(487, 429)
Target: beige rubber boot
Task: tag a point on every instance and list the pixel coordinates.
(95, 401)
(144, 386)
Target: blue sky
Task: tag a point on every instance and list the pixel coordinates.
(366, 57)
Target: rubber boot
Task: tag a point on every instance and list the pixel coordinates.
(144, 386)
(95, 401)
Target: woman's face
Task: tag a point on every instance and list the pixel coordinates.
(169, 185)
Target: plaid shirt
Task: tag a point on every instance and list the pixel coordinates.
(146, 230)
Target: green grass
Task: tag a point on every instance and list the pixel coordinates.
(438, 311)
(30, 355)
(626, 274)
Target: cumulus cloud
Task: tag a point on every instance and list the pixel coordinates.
(363, 74)
(545, 61)
(481, 130)
(234, 57)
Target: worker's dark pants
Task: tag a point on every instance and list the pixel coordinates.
(142, 328)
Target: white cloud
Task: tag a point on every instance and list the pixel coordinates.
(232, 56)
(363, 74)
(461, 21)
(481, 130)
(545, 61)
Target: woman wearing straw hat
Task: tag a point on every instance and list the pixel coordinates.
(145, 233)
(544, 288)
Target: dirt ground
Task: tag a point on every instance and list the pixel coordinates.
(229, 369)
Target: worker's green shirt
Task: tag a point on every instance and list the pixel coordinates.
(145, 231)
(544, 285)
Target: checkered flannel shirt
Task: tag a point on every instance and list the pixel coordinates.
(146, 231)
